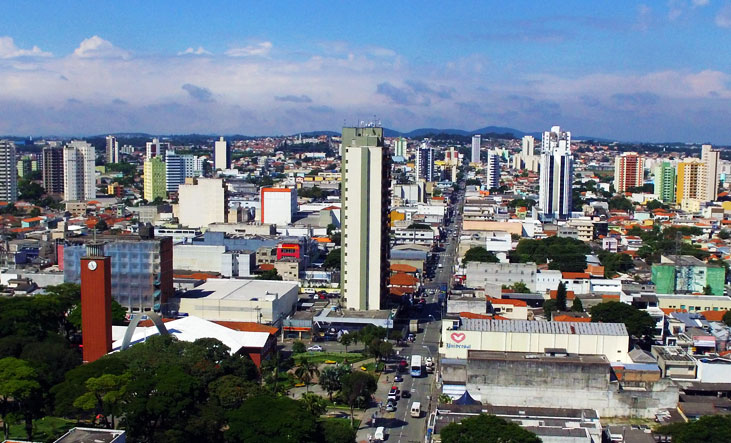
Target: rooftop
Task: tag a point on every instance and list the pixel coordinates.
(89, 435)
(241, 289)
(543, 327)
(537, 357)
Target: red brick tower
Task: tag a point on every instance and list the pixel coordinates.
(96, 306)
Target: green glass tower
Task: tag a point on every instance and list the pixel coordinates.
(665, 182)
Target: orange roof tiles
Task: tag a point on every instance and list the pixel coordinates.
(197, 275)
(266, 266)
(713, 315)
(506, 301)
(32, 219)
(402, 279)
(570, 318)
(569, 294)
(246, 326)
(481, 316)
(668, 311)
(403, 268)
(575, 275)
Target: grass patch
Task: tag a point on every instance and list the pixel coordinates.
(44, 429)
(356, 422)
(322, 357)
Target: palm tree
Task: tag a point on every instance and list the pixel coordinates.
(306, 371)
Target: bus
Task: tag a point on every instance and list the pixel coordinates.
(416, 365)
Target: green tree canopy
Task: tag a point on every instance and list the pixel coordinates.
(561, 297)
(269, 274)
(615, 263)
(638, 323)
(271, 419)
(479, 254)
(18, 385)
(565, 254)
(707, 429)
(332, 261)
(486, 429)
(577, 305)
(357, 389)
(621, 204)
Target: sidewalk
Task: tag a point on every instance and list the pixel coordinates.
(380, 396)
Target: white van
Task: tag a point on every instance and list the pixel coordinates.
(416, 409)
(380, 434)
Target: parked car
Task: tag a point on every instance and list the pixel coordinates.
(314, 348)
(393, 393)
(405, 393)
(398, 379)
(390, 407)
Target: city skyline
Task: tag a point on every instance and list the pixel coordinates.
(625, 71)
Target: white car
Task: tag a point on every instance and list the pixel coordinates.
(314, 348)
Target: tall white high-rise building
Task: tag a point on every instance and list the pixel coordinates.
(557, 170)
(79, 179)
(399, 147)
(365, 224)
(493, 170)
(8, 172)
(112, 149)
(476, 142)
(156, 148)
(527, 158)
(711, 159)
(425, 163)
(202, 201)
(221, 155)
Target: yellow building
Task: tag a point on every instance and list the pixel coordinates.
(154, 179)
(691, 181)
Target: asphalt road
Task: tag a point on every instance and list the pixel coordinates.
(400, 426)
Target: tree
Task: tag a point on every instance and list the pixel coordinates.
(638, 323)
(357, 389)
(614, 263)
(385, 349)
(727, 318)
(707, 429)
(101, 225)
(264, 419)
(29, 190)
(333, 431)
(298, 347)
(479, 254)
(473, 182)
(331, 378)
(520, 287)
(315, 404)
(65, 393)
(103, 396)
(332, 261)
(336, 238)
(269, 274)
(577, 306)
(444, 398)
(561, 297)
(18, 385)
(549, 307)
(621, 204)
(486, 429)
(565, 254)
(724, 234)
(654, 204)
(306, 371)
(346, 340)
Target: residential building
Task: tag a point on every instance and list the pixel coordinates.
(154, 179)
(712, 160)
(686, 274)
(527, 158)
(556, 176)
(493, 170)
(142, 268)
(112, 149)
(629, 171)
(156, 148)
(424, 163)
(221, 155)
(25, 166)
(665, 182)
(79, 179)
(278, 205)
(179, 167)
(399, 147)
(691, 181)
(476, 142)
(365, 218)
(52, 169)
(202, 201)
(483, 275)
(8, 172)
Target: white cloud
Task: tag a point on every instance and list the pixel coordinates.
(698, 3)
(97, 47)
(191, 51)
(260, 49)
(9, 50)
(723, 18)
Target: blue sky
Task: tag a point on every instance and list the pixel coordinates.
(655, 71)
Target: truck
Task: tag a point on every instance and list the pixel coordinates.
(414, 326)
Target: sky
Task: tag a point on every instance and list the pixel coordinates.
(656, 71)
